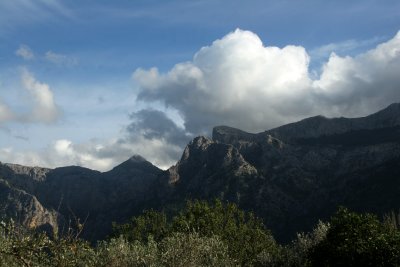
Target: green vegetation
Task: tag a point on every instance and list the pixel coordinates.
(245, 235)
(357, 240)
(20, 247)
(211, 234)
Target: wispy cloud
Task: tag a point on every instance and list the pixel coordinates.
(41, 105)
(22, 12)
(6, 114)
(344, 47)
(44, 108)
(25, 52)
(60, 59)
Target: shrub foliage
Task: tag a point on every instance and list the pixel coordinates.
(357, 240)
(244, 234)
(210, 234)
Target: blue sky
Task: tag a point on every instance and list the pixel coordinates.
(92, 82)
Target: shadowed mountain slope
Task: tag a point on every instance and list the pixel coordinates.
(291, 176)
(295, 174)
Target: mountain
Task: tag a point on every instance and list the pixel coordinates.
(15, 203)
(95, 198)
(320, 126)
(291, 176)
(297, 173)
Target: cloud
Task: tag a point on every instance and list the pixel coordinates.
(5, 113)
(25, 52)
(64, 152)
(154, 124)
(41, 105)
(19, 13)
(324, 51)
(238, 81)
(359, 85)
(44, 108)
(155, 136)
(95, 154)
(151, 134)
(60, 59)
(60, 153)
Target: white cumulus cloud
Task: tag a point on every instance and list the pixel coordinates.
(359, 85)
(238, 81)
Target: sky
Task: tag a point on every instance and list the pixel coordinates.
(91, 83)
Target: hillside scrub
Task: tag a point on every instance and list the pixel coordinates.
(210, 234)
(357, 240)
(245, 235)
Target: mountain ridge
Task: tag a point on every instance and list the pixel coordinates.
(290, 176)
(317, 126)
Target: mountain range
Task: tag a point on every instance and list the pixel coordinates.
(290, 176)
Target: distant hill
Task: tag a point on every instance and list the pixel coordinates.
(76, 192)
(290, 176)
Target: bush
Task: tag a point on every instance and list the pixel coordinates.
(119, 252)
(21, 247)
(151, 222)
(296, 253)
(357, 240)
(193, 250)
(176, 250)
(243, 233)
(206, 234)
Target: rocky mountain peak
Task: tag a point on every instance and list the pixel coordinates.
(199, 143)
(36, 173)
(137, 159)
(136, 163)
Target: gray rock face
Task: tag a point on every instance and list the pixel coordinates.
(35, 173)
(207, 170)
(295, 174)
(26, 210)
(76, 192)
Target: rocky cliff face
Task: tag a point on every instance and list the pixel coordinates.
(75, 192)
(208, 170)
(26, 210)
(290, 176)
(295, 174)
